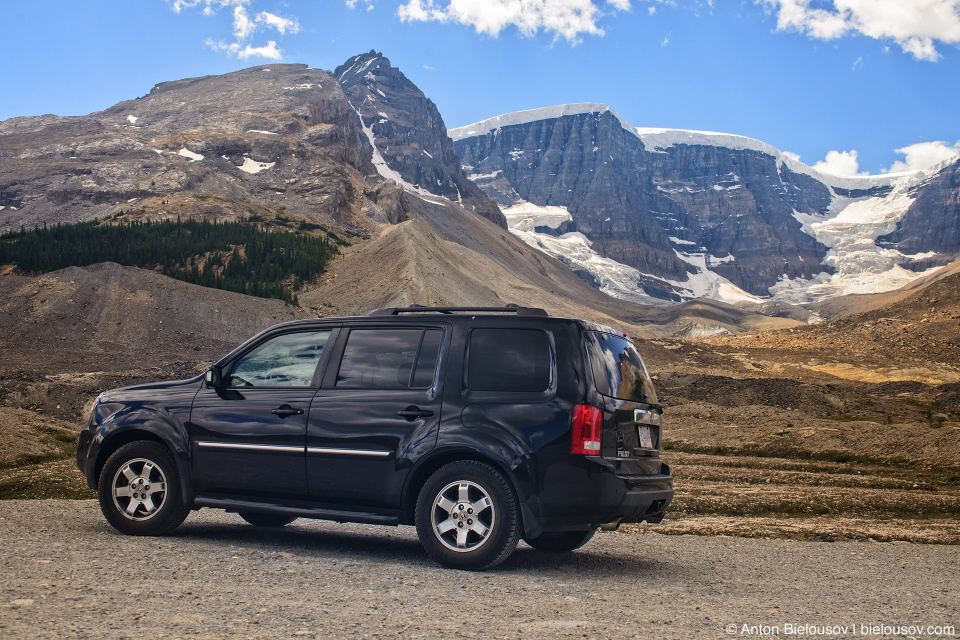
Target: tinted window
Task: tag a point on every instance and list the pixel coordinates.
(289, 360)
(618, 370)
(509, 360)
(384, 358)
(428, 358)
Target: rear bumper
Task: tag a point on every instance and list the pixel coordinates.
(593, 495)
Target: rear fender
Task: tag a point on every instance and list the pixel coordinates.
(514, 464)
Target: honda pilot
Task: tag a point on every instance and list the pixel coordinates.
(478, 426)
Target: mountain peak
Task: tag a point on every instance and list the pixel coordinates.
(361, 67)
(407, 134)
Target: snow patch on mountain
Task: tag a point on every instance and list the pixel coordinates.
(251, 166)
(851, 229)
(528, 216)
(380, 163)
(186, 153)
(531, 115)
(707, 284)
(614, 278)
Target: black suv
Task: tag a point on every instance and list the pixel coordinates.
(479, 426)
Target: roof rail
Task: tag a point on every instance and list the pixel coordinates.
(416, 308)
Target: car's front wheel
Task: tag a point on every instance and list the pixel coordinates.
(140, 490)
(266, 519)
(467, 516)
(560, 541)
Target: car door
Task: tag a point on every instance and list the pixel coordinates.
(248, 435)
(376, 413)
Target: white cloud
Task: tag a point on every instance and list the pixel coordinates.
(209, 6)
(268, 51)
(923, 155)
(857, 63)
(791, 155)
(244, 27)
(840, 163)
(916, 25)
(568, 19)
(283, 25)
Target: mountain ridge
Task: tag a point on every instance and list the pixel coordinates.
(680, 213)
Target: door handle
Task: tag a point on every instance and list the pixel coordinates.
(285, 411)
(411, 413)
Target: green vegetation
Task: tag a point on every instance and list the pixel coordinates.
(243, 256)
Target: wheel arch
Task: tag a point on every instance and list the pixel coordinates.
(529, 522)
(149, 428)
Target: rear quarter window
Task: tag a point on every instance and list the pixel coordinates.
(509, 360)
(618, 370)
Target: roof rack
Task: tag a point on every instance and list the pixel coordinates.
(416, 308)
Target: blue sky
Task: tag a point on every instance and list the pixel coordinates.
(851, 81)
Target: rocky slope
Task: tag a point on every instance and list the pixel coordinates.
(106, 317)
(686, 213)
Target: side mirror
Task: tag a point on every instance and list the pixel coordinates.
(215, 376)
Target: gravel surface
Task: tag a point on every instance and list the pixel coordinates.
(64, 573)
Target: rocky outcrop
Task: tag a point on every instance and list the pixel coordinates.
(408, 132)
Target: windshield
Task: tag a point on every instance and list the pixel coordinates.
(618, 370)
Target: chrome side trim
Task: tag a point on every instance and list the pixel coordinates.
(275, 448)
(349, 452)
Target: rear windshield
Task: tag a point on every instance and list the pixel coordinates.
(618, 370)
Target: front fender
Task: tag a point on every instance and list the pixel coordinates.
(130, 425)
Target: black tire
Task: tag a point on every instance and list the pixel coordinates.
(560, 541)
(467, 516)
(140, 490)
(266, 519)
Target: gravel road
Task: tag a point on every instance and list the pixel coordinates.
(64, 573)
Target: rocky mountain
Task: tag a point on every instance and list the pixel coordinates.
(274, 138)
(407, 135)
(246, 142)
(670, 214)
(360, 150)
(646, 215)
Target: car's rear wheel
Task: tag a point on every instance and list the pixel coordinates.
(560, 541)
(139, 490)
(266, 519)
(467, 516)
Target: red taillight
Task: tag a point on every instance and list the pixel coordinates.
(587, 430)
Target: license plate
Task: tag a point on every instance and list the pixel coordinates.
(644, 437)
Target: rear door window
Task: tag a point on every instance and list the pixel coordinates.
(385, 358)
(618, 371)
(509, 360)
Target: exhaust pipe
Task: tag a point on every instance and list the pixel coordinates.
(611, 526)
